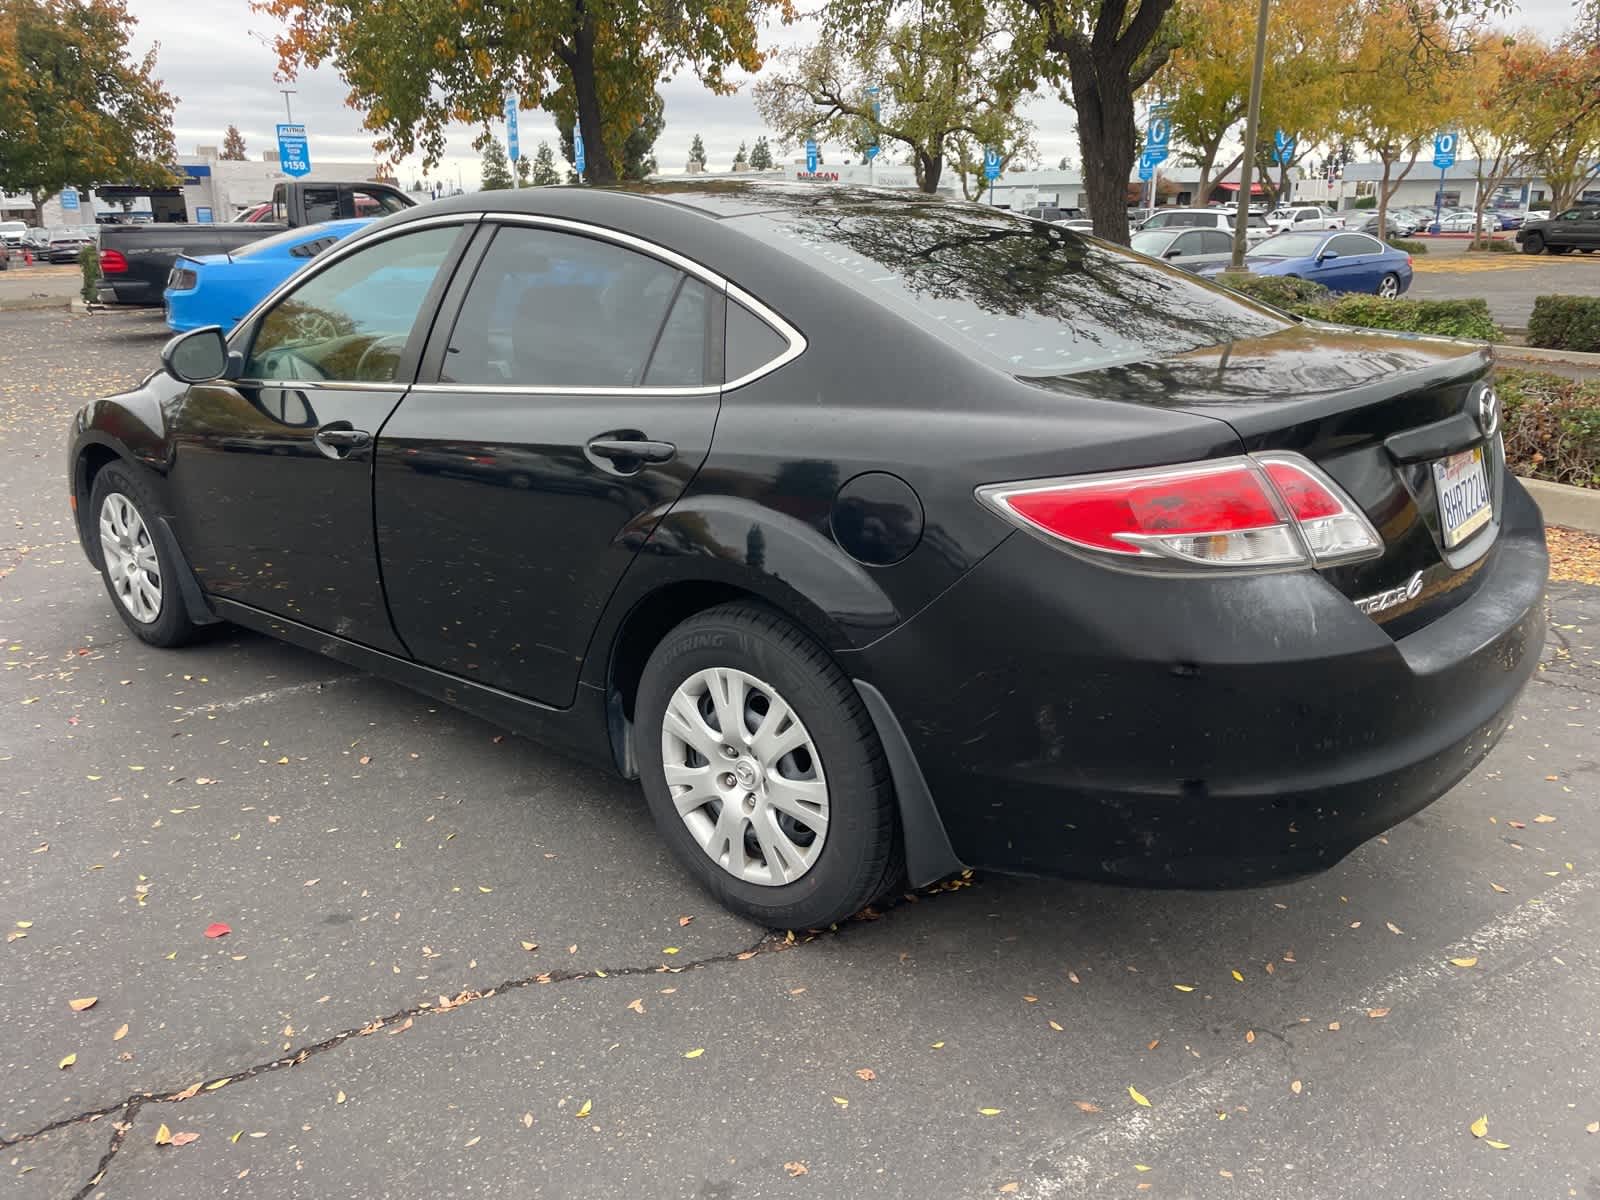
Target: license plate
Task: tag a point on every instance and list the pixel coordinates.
(1463, 489)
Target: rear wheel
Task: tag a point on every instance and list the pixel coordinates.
(763, 771)
(138, 570)
(1389, 286)
(1533, 244)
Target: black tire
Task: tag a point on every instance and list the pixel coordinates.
(1386, 280)
(171, 625)
(1533, 244)
(861, 857)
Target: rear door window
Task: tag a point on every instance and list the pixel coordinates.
(556, 310)
(1216, 242)
(1349, 245)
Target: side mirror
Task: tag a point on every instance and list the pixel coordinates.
(198, 356)
(1173, 253)
(1326, 255)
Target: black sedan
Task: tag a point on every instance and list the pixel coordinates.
(876, 537)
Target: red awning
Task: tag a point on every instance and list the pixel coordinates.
(1255, 188)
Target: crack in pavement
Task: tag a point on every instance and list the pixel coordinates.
(768, 943)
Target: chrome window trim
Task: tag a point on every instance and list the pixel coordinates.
(796, 341)
(310, 385)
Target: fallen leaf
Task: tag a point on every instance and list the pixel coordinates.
(530, 946)
(1138, 1097)
(637, 1006)
(990, 1112)
(1498, 888)
(1393, 928)
(471, 1142)
(585, 1110)
(1497, 1145)
(217, 929)
(1516, 824)
(1141, 1168)
(485, 890)
(1073, 976)
(1543, 819)
(1008, 1188)
(364, 760)
(796, 1169)
(234, 1140)
(1086, 1106)
(84, 1002)
(669, 949)
(1480, 1126)
(1375, 1013)
(183, 1139)
(1184, 987)
(217, 1083)
(122, 1032)
(163, 1136)
(67, 1062)
(938, 1045)
(1154, 1042)
(527, 1120)
(1250, 1036)
(841, 1102)
(24, 924)
(866, 1074)
(15, 935)
(1056, 1026)
(1237, 978)
(1464, 962)
(1333, 1026)
(188, 1093)
(682, 921)
(1296, 1086)
(695, 1053)
(339, 1098)
(1592, 1127)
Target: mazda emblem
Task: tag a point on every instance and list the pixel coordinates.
(1488, 412)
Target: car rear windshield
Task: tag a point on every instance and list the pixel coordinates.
(1033, 299)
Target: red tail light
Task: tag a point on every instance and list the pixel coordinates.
(1272, 510)
(112, 263)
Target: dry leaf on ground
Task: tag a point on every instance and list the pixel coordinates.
(796, 1169)
(82, 1003)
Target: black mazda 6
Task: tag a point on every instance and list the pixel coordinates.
(877, 536)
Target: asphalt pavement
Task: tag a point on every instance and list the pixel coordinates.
(1510, 282)
(456, 964)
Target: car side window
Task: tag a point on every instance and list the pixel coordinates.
(321, 204)
(1185, 244)
(751, 343)
(377, 202)
(349, 323)
(682, 350)
(1348, 246)
(554, 309)
(1159, 221)
(1304, 215)
(1216, 242)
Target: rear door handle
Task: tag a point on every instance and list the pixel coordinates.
(337, 441)
(621, 449)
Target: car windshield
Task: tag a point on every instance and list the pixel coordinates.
(1033, 299)
(1287, 245)
(1152, 241)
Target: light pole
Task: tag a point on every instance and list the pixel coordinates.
(287, 113)
(1241, 219)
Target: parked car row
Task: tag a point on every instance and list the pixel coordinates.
(58, 244)
(1341, 260)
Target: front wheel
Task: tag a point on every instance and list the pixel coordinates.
(763, 771)
(1389, 286)
(138, 569)
(1533, 244)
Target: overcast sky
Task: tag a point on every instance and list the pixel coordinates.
(215, 60)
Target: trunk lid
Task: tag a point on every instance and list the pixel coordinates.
(1376, 411)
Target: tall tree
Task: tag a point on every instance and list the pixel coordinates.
(1491, 129)
(75, 106)
(697, 152)
(940, 67)
(1551, 89)
(761, 155)
(638, 159)
(1209, 78)
(524, 170)
(544, 167)
(496, 169)
(741, 159)
(416, 66)
(233, 145)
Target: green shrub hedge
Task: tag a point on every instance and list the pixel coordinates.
(1446, 318)
(1410, 247)
(1565, 323)
(1497, 245)
(1551, 426)
(89, 268)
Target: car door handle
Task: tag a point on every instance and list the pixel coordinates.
(337, 441)
(620, 449)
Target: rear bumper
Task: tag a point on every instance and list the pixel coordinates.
(1071, 720)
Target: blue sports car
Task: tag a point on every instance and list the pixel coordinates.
(1338, 259)
(218, 289)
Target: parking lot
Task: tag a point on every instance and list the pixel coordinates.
(1509, 282)
(455, 964)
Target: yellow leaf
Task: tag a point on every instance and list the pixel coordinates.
(340, 1098)
(841, 1102)
(80, 1004)
(989, 1112)
(1543, 819)
(1464, 962)
(1008, 1188)
(217, 1083)
(1055, 1026)
(1375, 1013)
(527, 1120)
(1592, 1127)
(1498, 888)
(1184, 987)
(695, 1053)
(1497, 1145)
(483, 889)
(938, 1045)
(471, 1142)
(234, 1140)
(669, 949)
(24, 924)
(1296, 1087)
(66, 1062)
(1237, 978)
(122, 1032)
(1141, 1168)
(163, 1136)
(1480, 1126)
(282, 762)
(530, 946)
(584, 1111)
(1138, 1097)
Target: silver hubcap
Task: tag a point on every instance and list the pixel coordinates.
(745, 776)
(130, 557)
(1388, 288)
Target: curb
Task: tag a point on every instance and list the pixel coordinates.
(1535, 354)
(28, 303)
(1562, 504)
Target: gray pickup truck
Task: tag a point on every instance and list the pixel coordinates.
(135, 259)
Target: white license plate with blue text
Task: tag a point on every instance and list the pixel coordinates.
(1462, 485)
